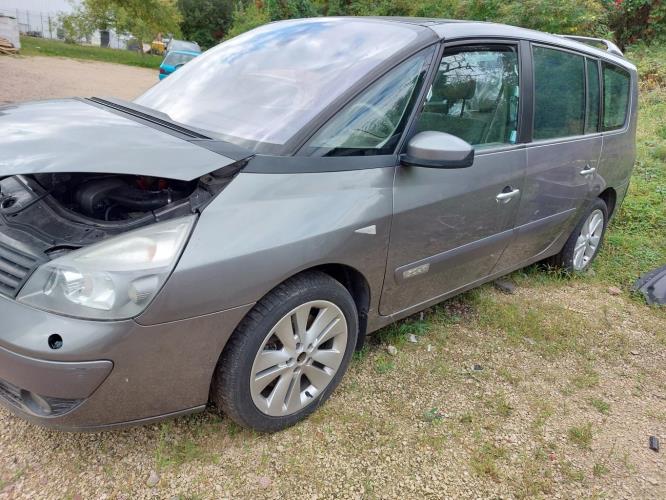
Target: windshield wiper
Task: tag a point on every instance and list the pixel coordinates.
(151, 115)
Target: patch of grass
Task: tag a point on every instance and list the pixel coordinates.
(599, 470)
(586, 379)
(572, 473)
(500, 406)
(384, 364)
(178, 453)
(398, 333)
(581, 435)
(536, 478)
(550, 328)
(31, 46)
(360, 354)
(600, 405)
(484, 460)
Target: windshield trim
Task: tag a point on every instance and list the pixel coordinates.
(425, 39)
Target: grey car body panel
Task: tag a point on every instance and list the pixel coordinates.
(450, 221)
(554, 191)
(71, 135)
(156, 370)
(56, 379)
(282, 215)
(243, 245)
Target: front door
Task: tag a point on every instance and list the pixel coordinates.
(450, 226)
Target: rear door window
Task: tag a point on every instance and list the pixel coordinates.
(559, 93)
(616, 96)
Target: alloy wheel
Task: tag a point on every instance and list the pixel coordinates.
(588, 240)
(298, 358)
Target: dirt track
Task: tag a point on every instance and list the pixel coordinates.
(30, 78)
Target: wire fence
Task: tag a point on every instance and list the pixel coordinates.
(49, 25)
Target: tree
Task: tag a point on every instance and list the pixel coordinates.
(142, 18)
(247, 17)
(206, 21)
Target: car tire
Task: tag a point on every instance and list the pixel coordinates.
(582, 240)
(306, 328)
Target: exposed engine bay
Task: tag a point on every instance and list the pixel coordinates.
(114, 197)
(58, 212)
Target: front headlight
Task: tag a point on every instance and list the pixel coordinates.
(114, 279)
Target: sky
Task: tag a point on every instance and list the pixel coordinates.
(36, 5)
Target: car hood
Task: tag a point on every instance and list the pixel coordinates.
(75, 135)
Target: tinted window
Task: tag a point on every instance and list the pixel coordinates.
(183, 45)
(475, 96)
(176, 58)
(593, 100)
(616, 96)
(559, 93)
(258, 89)
(373, 122)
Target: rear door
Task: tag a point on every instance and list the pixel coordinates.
(449, 227)
(563, 156)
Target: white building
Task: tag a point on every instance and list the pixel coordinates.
(40, 18)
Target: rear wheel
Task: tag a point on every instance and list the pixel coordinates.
(585, 240)
(289, 353)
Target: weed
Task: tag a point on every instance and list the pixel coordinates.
(599, 470)
(383, 365)
(581, 436)
(588, 378)
(600, 405)
(484, 460)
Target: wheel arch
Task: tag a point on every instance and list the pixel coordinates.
(609, 196)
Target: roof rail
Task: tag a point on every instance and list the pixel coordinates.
(610, 46)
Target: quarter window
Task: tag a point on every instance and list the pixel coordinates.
(592, 120)
(616, 96)
(373, 122)
(475, 96)
(559, 93)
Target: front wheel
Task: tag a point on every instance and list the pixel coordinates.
(288, 354)
(585, 240)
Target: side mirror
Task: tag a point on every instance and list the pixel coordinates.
(438, 150)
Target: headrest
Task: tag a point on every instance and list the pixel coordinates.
(455, 90)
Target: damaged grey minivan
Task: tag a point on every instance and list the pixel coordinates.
(232, 235)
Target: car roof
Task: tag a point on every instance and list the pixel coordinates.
(447, 29)
(186, 52)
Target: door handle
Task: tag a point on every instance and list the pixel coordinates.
(588, 170)
(507, 195)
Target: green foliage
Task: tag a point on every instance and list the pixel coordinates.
(289, 9)
(142, 18)
(636, 20)
(246, 17)
(206, 21)
(583, 17)
(627, 20)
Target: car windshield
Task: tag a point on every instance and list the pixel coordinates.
(176, 58)
(259, 89)
(183, 45)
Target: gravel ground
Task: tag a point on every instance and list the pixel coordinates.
(551, 391)
(555, 399)
(30, 78)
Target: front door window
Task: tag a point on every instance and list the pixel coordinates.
(475, 96)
